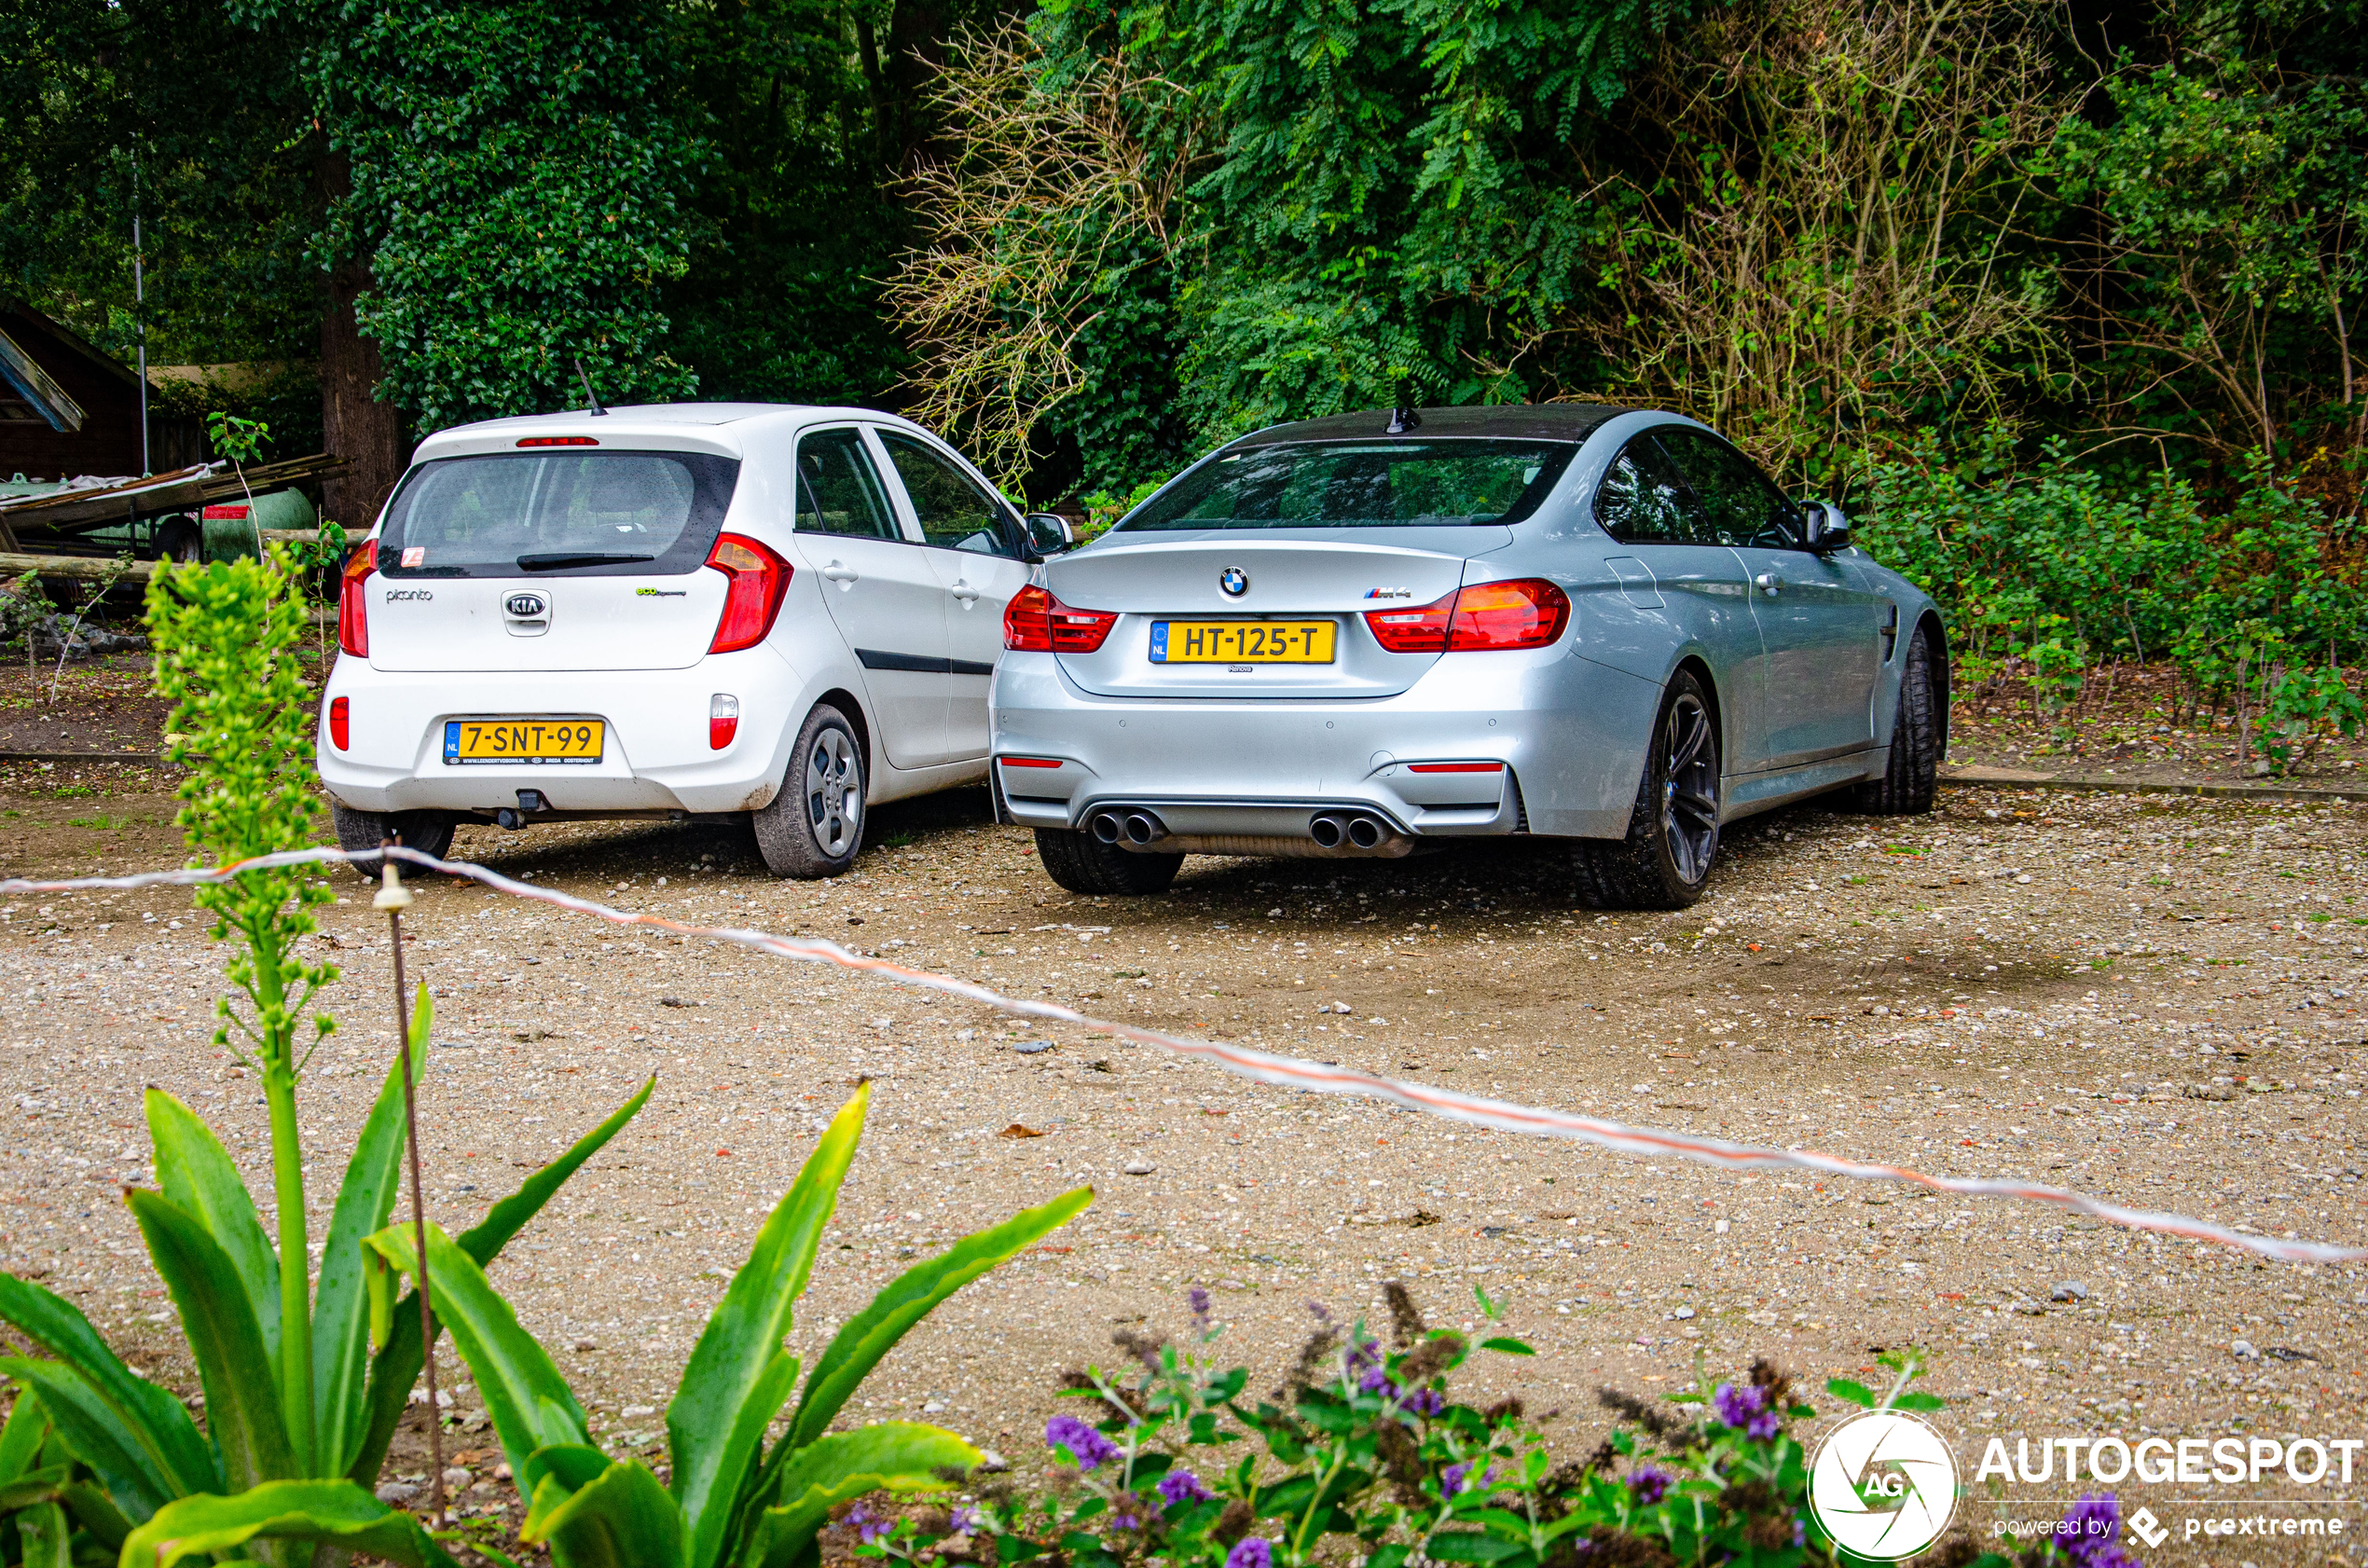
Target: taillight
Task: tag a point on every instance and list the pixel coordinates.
(1525, 612)
(340, 723)
(1037, 623)
(759, 578)
(353, 615)
(1418, 630)
(722, 721)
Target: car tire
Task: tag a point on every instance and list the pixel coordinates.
(1664, 862)
(180, 542)
(359, 832)
(1912, 772)
(815, 826)
(1084, 864)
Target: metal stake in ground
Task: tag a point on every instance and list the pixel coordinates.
(395, 898)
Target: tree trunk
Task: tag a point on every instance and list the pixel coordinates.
(354, 424)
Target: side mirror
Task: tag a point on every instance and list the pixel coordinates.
(1049, 534)
(1828, 528)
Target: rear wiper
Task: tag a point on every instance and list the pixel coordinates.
(558, 559)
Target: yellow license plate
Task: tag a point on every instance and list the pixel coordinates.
(1224, 643)
(523, 740)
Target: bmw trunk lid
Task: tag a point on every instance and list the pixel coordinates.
(1163, 585)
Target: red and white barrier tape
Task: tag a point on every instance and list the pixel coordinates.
(1286, 1071)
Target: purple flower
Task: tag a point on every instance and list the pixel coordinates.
(1322, 1313)
(1182, 1486)
(1423, 1402)
(1745, 1407)
(1251, 1551)
(1649, 1485)
(869, 1526)
(1089, 1447)
(1364, 1354)
(1198, 1296)
(2092, 1532)
(1452, 1481)
(963, 1522)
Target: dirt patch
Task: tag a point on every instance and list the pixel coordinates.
(2156, 1002)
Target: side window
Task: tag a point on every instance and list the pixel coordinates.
(838, 491)
(1740, 505)
(956, 514)
(1641, 501)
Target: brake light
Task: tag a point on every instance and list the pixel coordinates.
(722, 721)
(759, 579)
(557, 441)
(1031, 762)
(1524, 613)
(1037, 623)
(1455, 767)
(1419, 629)
(354, 614)
(340, 723)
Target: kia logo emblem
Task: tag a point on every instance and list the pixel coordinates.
(525, 607)
(1234, 581)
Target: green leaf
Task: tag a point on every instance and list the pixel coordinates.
(895, 1455)
(1489, 1309)
(47, 1537)
(333, 1513)
(1915, 1399)
(159, 1439)
(30, 1487)
(20, 1440)
(397, 1367)
(872, 1332)
(1856, 1393)
(340, 1322)
(622, 1519)
(524, 1394)
(1509, 1346)
(96, 1512)
(198, 1177)
(85, 1428)
(737, 1378)
(242, 1403)
(1469, 1546)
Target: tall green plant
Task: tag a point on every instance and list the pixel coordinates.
(300, 1406)
(732, 1500)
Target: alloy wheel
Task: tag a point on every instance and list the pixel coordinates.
(1690, 794)
(833, 792)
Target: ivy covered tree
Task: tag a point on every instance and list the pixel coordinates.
(515, 173)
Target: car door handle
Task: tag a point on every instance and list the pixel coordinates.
(963, 591)
(1769, 584)
(838, 573)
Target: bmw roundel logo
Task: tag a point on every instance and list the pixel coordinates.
(1234, 581)
(525, 607)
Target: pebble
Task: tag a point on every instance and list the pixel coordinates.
(395, 1493)
(1681, 1313)
(458, 1475)
(2243, 1350)
(1032, 1046)
(1139, 1167)
(2069, 1291)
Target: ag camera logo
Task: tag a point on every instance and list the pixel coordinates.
(1883, 1485)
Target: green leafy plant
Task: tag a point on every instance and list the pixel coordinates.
(1368, 1460)
(731, 1499)
(2306, 705)
(301, 1403)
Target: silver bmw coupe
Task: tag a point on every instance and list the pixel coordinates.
(1384, 632)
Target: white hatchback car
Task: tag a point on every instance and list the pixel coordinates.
(692, 609)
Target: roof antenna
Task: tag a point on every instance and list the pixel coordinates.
(597, 411)
(1403, 420)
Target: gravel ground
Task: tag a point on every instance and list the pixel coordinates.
(2153, 999)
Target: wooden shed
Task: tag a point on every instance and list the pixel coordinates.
(67, 409)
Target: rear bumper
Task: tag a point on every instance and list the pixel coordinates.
(1568, 734)
(655, 756)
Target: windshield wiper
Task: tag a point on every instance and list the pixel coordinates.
(558, 559)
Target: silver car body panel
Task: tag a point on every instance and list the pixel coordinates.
(1805, 678)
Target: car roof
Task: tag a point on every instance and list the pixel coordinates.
(718, 426)
(1534, 421)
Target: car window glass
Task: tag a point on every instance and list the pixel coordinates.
(577, 513)
(1739, 504)
(1360, 484)
(838, 491)
(956, 514)
(1641, 501)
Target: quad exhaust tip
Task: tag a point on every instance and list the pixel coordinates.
(1352, 831)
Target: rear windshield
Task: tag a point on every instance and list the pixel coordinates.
(574, 514)
(1360, 485)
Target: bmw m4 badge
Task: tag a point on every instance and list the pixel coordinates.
(1234, 581)
(1389, 593)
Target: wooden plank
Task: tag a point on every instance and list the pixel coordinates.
(77, 569)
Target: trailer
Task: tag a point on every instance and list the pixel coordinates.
(205, 512)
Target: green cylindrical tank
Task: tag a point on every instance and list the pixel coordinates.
(230, 526)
